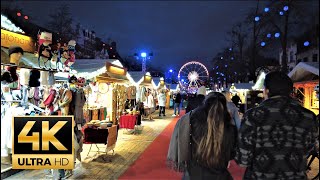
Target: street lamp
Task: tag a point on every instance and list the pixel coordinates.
(143, 56)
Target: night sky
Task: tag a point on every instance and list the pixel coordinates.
(176, 32)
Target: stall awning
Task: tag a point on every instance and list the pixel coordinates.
(305, 71)
(139, 78)
(111, 77)
(136, 76)
(91, 68)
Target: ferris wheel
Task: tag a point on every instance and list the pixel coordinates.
(192, 75)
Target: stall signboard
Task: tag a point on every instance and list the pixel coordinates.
(14, 39)
(43, 142)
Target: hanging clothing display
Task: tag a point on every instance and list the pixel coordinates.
(48, 102)
(131, 92)
(51, 80)
(65, 99)
(24, 76)
(34, 78)
(94, 93)
(44, 78)
(80, 100)
(143, 94)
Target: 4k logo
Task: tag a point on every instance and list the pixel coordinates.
(43, 142)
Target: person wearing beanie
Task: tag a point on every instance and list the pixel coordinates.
(280, 130)
(15, 54)
(196, 101)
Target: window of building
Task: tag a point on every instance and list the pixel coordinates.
(315, 58)
(305, 59)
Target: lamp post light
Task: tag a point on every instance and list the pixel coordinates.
(143, 56)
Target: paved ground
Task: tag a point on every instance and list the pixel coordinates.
(128, 149)
(101, 166)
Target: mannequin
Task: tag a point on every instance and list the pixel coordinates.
(15, 54)
(45, 40)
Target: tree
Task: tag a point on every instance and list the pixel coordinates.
(238, 35)
(61, 23)
(285, 18)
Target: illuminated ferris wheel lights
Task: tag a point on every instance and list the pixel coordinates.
(193, 77)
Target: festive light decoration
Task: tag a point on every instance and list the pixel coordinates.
(7, 24)
(286, 8)
(88, 75)
(266, 9)
(257, 18)
(263, 44)
(306, 43)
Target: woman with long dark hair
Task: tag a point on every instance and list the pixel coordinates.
(204, 140)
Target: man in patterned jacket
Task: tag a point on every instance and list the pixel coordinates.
(275, 137)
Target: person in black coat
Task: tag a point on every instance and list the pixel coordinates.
(194, 102)
(177, 101)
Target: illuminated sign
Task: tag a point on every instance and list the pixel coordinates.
(13, 39)
(43, 142)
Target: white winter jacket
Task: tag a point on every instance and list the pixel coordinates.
(162, 99)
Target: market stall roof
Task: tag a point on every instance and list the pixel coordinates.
(139, 78)
(136, 76)
(305, 71)
(244, 85)
(157, 82)
(93, 65)
(174, 87)
(91, 68)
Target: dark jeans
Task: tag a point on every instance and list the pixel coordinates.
(176, 106)
(162, 110)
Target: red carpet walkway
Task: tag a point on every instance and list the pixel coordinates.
(152, 162)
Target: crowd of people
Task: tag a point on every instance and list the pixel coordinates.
(271, 140)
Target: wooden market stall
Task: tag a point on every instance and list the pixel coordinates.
(305, 77)
(107, 84)
(144, 85)
(246, 95)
